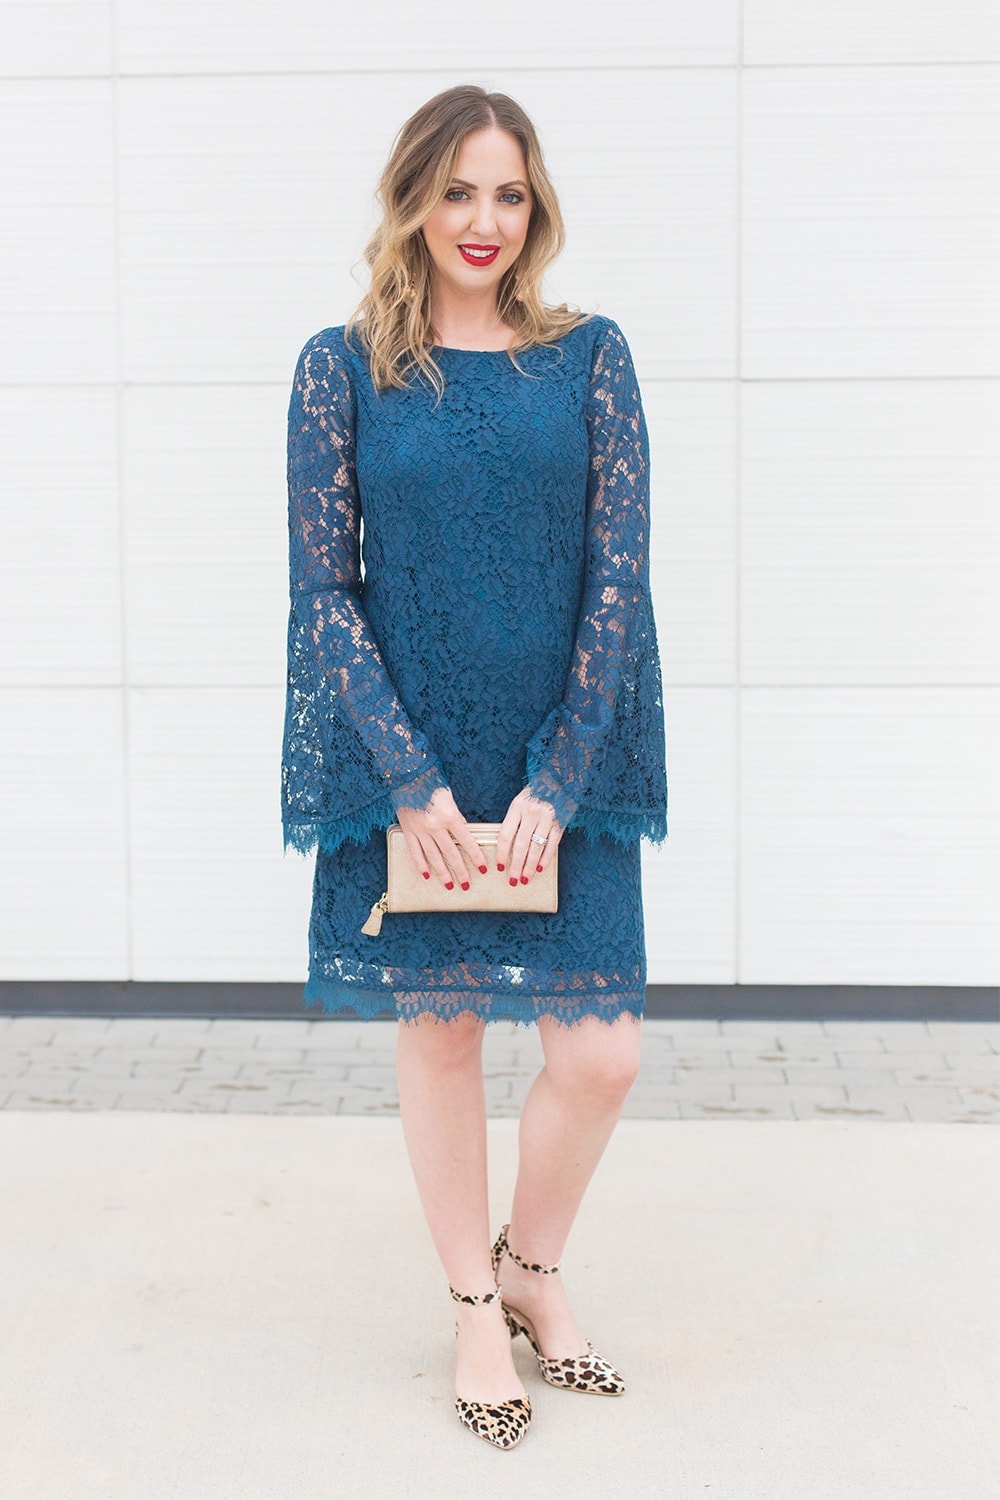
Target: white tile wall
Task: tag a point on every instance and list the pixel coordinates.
(652, 223)
(693, 538)
(856, 31)
(60, 566)
(214, 897)
(206, 533)
(273, 36)
(63, 854)
(870, 532)
(55, 38)
(870, 222)
(236, 243)
(869, 835)
(690, 889)
(58, 292)
(791, 212)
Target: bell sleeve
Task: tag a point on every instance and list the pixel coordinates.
(350, 755)
(600, 755)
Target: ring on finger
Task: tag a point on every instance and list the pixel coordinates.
(536, 840)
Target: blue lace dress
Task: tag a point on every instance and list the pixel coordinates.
(501, 634)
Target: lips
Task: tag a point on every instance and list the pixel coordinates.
(471, 259)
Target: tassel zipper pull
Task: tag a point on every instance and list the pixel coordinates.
(373, 926)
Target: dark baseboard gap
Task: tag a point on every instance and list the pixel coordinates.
(717, 1002)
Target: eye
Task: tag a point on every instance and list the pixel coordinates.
(513, 195)
(461, 191)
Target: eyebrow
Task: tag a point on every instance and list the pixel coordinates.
(518, 182)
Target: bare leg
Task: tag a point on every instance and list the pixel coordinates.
(567, 1120)
(443, 1108)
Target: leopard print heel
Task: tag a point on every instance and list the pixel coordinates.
(590, 1372)
(502, 1423)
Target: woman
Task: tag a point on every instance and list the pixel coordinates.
(498, 663)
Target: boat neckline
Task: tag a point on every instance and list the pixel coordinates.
(453, 349)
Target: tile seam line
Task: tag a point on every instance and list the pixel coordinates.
(279, 382)
(987, 684)
(738, 491)
(361, 71)
(437, 68)
(119, 389)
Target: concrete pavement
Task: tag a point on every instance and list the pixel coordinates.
(217, 1283)
(209, 1306)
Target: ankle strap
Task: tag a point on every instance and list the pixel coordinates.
(527, 1265)
(486, 1297)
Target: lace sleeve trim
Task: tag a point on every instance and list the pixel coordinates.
(600, 756)
(351, 755)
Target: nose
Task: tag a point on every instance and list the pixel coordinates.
(484, 218)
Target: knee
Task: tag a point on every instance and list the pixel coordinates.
(602, 1071)
(442, 1044)
(613, 1077)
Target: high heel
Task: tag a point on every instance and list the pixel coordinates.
(589, 1372)
(502, 1423)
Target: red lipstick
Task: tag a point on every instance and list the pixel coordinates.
(479, 260)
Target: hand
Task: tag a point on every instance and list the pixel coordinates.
(439, 840)
(519, 856)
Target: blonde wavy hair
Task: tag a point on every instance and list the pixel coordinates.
(393, 318)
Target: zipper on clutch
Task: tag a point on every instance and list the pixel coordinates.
(373, 926)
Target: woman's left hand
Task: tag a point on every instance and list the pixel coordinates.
(516, 854)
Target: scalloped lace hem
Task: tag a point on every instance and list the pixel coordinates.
(624, 828)
(351, 1002)
(357, 828)
(305, 837)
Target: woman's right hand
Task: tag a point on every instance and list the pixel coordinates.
(436, 837)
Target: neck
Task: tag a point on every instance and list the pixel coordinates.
(466, 320)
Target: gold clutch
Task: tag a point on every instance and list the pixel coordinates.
(409, 891)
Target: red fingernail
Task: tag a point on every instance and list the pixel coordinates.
(449, 885)
(482, 869)
(427, 874)
(465, 885)
(513, 881)
(499, 867)
(524, 880)
(538, 869)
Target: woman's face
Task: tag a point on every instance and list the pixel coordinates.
(486, 207)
